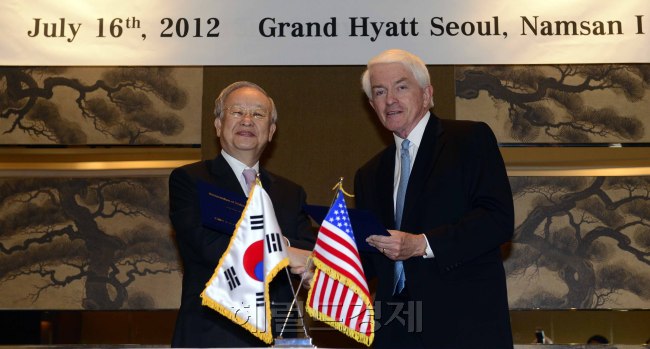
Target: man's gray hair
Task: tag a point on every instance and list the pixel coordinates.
(219, 102)
(407, 59)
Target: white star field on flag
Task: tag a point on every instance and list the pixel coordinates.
(340, 218)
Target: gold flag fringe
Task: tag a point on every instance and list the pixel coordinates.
(362, 338)
(267, 335)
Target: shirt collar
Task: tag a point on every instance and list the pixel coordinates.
(237, 166)
(416, 134)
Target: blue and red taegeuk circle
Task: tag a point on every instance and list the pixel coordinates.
(254, 260)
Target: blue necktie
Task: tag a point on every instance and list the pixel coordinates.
(405, 168)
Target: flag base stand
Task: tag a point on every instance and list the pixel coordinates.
(293, 343)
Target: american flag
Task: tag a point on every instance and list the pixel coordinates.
(339, 293)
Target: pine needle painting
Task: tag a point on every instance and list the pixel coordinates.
(561, 104)
(100, 105)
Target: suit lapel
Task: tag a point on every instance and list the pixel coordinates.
(433, 141)
(224, 176)
(385, 185)
(227, 178)
(267, 180)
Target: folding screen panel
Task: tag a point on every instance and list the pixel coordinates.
(98, 243)
(559, 104)
(580, 242)
(100, 105)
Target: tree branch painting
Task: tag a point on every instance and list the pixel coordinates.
(87, 243)
(106, 243)
(580, 242)
(558, 103)
(95, 105)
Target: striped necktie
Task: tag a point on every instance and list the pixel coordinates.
(249, 176)
(405, 172)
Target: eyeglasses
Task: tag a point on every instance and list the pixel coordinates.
(238, 112)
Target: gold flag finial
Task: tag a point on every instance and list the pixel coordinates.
(339, 185)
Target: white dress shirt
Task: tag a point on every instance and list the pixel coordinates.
(415, 137)
(238, 167)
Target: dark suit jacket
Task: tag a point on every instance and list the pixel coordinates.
(459, 196)
(200, 249)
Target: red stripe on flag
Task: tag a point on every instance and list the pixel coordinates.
(338, 238)
(316, 287)
(350, 312)
(338, 267)
(335, 286)
(342, 255)
(344, 261)
(323, 290)
(363, 313)
(339, 310)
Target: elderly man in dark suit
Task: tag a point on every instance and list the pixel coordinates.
(245, 123)
(443, 192)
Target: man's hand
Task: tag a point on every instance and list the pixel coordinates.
(399, 245)
(298, 260)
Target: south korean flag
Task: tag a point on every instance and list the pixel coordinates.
(239, 287)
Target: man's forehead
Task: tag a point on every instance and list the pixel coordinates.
(248, 95)
(389, 73)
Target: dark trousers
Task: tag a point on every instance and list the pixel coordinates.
(399, 323)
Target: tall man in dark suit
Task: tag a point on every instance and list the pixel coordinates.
(245, 123)
(441, 282)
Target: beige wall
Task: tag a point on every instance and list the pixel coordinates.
(326, 128)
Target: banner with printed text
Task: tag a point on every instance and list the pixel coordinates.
(325, 32)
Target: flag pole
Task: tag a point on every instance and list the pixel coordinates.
(295, 297)
(295, 342)
(337, 186)
(280, 342)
